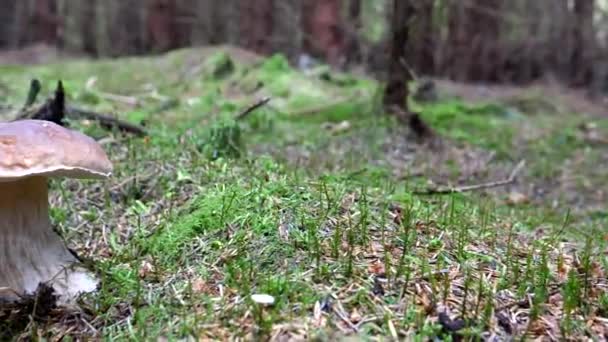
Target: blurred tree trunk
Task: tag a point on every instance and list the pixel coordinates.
(583, 36)
(202, 27)
(214, 22)
(8, 23)
(287, 24)
(355, 24)
(422, 42)
(43, 24)
(474, 30)
(78, 26)
(256, 21)
(323, 32)
(161, 25)
(485, 30)
(396, 92)
(456, 65)
(120, 27)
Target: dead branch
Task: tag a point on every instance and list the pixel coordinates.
(52, 110)
(105, 120)
(459, 189)
(56, 110)
(244, 113)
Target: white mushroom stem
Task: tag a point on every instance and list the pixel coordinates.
(30, 251)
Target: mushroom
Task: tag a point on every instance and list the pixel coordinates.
(31, 252)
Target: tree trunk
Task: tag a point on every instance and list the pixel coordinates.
(422, 42)
(8, 20)
(474, 33)
(160, 24)
(43, 22)
(396, 91)
(78, 31)
(324, 36)
(287, 27)
(456, 64)
(256, 20)
(581, 59)
(355, 24)
(484, 32)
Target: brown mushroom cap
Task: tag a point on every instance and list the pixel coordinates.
(42, 148)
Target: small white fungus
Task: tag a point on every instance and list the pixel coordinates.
(263, 299)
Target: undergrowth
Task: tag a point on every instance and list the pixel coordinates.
(207, 211)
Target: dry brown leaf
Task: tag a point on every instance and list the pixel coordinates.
(376, 267)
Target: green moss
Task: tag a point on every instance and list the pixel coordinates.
(223, 140)
(484, 125)
(219, 66)
(210, 212)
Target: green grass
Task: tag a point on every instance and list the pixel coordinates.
(207, 211)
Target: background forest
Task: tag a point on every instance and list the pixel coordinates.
(470, 40)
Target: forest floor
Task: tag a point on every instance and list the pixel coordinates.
(318, 200)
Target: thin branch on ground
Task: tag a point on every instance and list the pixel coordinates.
(245, 112)
(56, 110)
(105, 120)
(473, 187)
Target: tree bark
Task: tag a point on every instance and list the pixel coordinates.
(256, 21)
(8, 21)
(355, 25)
(161, 25)
(422, 56)
(324, 36)
(456, 64)
(44, 23)
(581, 59)
(484, 31)
(396, 91)
(287, 27)
(474, 34)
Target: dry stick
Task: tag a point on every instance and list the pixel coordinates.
(105, 120)
(494, 184)
(252, 108)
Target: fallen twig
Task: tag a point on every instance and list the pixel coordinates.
(105, 120)
(55, 110)
(252, 108)
(464, 188)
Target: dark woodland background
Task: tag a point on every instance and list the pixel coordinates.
(515, 41)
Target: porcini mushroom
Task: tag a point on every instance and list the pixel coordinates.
(31, 252)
